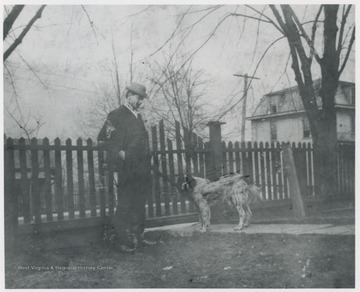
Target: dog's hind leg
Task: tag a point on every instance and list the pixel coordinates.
(242, 215)
(200, 223)
(248, 215)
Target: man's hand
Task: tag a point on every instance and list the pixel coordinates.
(122, 154)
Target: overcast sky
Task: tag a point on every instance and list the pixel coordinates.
(69, 51)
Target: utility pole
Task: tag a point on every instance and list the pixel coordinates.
(243, 119)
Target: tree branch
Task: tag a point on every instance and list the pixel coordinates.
(91, 23)
(10, 19)
(279, 19)
(172, 35)
(304, 34)
(342, 27)
(313, 31)
(268, 18)
(23, 33)
(348, 52)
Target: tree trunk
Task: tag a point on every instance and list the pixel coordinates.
(325, 143)
(325, 165)
(322, 119)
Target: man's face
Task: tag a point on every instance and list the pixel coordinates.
(135, 101)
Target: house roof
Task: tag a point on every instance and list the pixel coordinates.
(286, 101)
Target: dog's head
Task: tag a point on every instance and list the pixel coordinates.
(189, 183)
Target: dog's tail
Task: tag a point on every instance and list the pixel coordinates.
(242, 192)
(255, 193)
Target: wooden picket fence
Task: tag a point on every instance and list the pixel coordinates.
(69, 181)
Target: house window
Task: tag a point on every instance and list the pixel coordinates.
(273, 109)
(306, 128)
(273, 131)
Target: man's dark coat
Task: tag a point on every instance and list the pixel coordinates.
(123, 131)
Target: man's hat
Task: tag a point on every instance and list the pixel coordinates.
(137, 88)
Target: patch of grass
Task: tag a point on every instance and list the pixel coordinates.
(199, 261)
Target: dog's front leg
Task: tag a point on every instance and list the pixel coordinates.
(241, 212)
(204, 210)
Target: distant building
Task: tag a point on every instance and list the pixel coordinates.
(280, 115)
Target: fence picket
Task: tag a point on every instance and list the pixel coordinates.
(188, 150)
(278, 169)
(156, 171)
(92, 191)
(25, 195)
(188, 154)
(195, 159)
(47, 170)
(180, 162)
(299, 154)
(173, 192)
(285, 180)
(268, 170)
(165, 178)
(262, 168)
(249, 163)
(237, 158)
(102, 187)
(201, 157)
(34, 187)
(11, 202)
(81, 182)
(273, 170)
(70, 180)
(231, 157)
(225, 169)
(257, 165)
(59, 194)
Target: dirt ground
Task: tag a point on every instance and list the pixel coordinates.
(198, 261)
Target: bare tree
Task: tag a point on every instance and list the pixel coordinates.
(107, 96)
(335, 45)
(103, 101)
(28, 124)
(332, 61)
(179, 95)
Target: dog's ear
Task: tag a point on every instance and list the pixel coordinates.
(191, 181)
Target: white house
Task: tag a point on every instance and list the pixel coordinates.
(280, 115)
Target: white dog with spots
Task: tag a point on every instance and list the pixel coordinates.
(231, 189)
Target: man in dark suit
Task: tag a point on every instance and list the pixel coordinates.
(128, 143)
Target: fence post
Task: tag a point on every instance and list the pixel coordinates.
(299, 154)
(10, 197)
(290, 170)
(214, 167)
